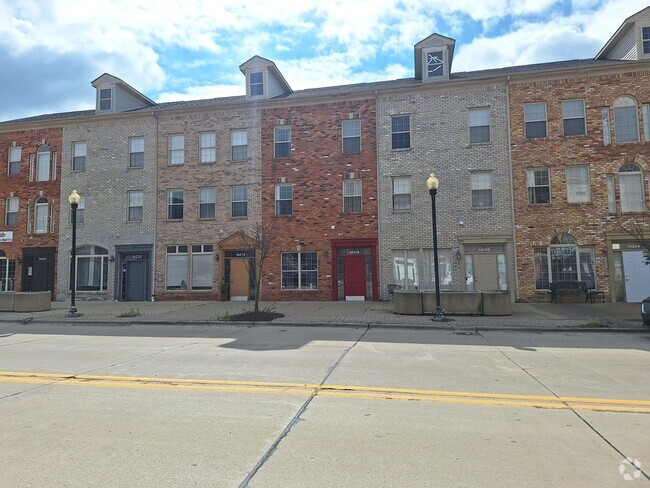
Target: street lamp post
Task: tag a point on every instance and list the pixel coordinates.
(432, 185)
(74, 200)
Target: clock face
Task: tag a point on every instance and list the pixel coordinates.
(434, 64)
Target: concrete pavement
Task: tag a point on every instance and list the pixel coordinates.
(526, 316)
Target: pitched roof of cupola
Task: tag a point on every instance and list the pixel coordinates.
(433, 57)
(263, 79)
(115, 96)
(631, 41)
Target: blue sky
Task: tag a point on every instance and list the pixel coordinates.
(169, 50)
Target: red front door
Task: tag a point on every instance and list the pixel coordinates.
(354, 270)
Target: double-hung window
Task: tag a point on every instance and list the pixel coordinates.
(256, 84)
(105, 99)
(299, 271)
(481, 188)
(78, 156)
(351, 136)
(573, 117)
(175, 205)
(207, 147)
(15, 155)
(239, 201)
(630, 178)
(479, 125)
(239, 145)
(43, 163)
(645, 32)
(402, 193)
(136, 205)
(282, 142)
(351, 195)
(626, 121)
(202, 266)
(207, 203)
(41, 214)
(577, 184)
(400, 131)
(136, 152)
(284, 199)
(176, 148)
(11, 213)
(535, 120)
(539, 186)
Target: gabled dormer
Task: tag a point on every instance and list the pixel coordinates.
(263, 79)
(631, 41)
(433, 57)
(114, 96)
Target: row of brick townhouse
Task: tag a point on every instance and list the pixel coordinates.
(541, 169)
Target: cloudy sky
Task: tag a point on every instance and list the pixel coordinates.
(50, 50)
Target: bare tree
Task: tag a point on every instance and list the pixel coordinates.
(638, 227)
(259, 241)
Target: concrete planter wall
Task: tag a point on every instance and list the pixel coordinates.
(28, 301)
(410, 302)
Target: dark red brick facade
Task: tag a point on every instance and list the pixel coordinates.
(590, 223)
(316, 169)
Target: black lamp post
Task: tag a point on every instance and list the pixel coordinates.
(74, 200)
(432, 185)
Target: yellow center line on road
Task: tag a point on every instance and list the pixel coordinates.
(306, 389)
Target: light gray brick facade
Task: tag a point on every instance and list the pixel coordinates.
(105, 184)
(439, 132)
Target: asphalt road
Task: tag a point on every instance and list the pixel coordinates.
(144, 406)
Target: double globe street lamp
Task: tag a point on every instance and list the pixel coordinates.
(432, 185)
(74, 200)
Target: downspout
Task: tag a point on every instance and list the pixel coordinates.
(380, 279)
(512, 194)
(152, 271)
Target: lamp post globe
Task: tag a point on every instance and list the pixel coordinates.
(433, 184)
(74, 200)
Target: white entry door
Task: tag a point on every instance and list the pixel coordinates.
(637, 276)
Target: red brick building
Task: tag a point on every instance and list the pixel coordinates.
(319, 184)
(30, 203)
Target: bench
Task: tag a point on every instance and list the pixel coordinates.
(574, 286)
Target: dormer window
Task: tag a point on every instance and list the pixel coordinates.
(435, 65)
(257, 84)
(646, 39)
(105, 99)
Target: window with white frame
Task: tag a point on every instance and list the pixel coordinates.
(481, 182)
(535, 120)
(81, 208)
(202, 267)
(7, 274)
(15, 155)
(645, 33)
(136, 206)
(564, 260)
(400, 131)
(479, 125)
(92, 268)
(11, 212)
(630, 180)
(239, 145)
(176, 276)
(41, 214)
(626, 120)
(43, 156)
(435, 64)
(406, 271)
(284, 199)
(256, 84)
(78, 156)
(239, 201)
(444, 269)
(176, 144)
(573, 117)
(414, 269)
(402, 193)
(175, 205)
(282, 142)
(578, 189)
(207, 203)
(207, 147)
(539, 186)
(351, 136)
(299, 271)
(105, 99)
(352, 195)
(136, 152)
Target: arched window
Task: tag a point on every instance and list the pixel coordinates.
(564, 260)
(92, 268)
(626, 120)
(631, 185)
(43, 163)
(41, 213)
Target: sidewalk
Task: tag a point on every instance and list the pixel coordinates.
(526, 316)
